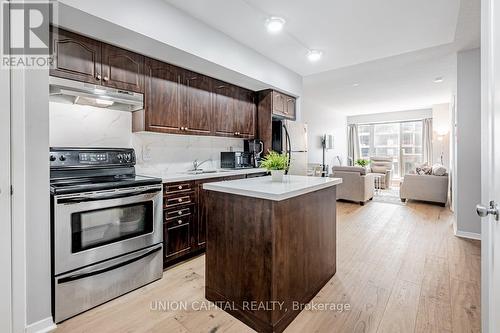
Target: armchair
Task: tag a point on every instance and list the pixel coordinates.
(356, 184)
(383, 166)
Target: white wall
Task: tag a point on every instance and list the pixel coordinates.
(468, 152)
(161, 31)
(390, 116)
(322, 120)
(441, 124)
(30, 201)
(157, 154)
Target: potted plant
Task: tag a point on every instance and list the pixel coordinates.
(275, 163)
(362, 162)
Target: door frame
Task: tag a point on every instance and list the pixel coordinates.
(490, 156)
(5, 199)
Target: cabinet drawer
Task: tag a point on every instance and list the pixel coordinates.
(178, 187)
(174, 214)
(177, 199)
(177, 239)
(172, 222)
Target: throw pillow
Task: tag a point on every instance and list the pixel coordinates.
(379, 168)
(424, 169)
(438, 170)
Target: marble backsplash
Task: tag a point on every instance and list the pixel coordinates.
(157, 154)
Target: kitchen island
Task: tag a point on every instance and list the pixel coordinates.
(270, 246)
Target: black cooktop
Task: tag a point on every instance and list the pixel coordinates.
(74, 170)
(68, 186)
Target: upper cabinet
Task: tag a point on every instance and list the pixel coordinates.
(176, 100)
(162, 99)
(197, 103)
(75, 57)
(283, 105)
(246, 113)
(122, 69)
(83, 59)
(271, 104)
(183, 102)
(224, 109)
(234, 111)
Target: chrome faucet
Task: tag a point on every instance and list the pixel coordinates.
(196, 164)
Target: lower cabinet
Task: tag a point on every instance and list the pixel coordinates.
(185, 217)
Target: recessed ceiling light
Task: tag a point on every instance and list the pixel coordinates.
(275, 24)
(314, 55)
(355, 84)
(438, 80)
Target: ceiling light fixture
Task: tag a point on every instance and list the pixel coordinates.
(355, 85)
(438, 80)
(314, 55)
(275, 24)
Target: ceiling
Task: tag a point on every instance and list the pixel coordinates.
(404, 82)
(348, 32)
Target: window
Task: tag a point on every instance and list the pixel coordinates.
(400, 140)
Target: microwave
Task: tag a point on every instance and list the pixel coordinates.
(236, 160)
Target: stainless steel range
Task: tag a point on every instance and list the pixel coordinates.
(106, 227)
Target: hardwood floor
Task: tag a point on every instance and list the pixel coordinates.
(399, 268)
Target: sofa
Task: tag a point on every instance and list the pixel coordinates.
(357, 185)
(382, 166)
(425, 188)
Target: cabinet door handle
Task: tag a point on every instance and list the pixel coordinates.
(182, 128)
(185, 128)
(179, 222)
(180, 199)
(98, 77)
(105, 79)
(180, 187)
(180, 212)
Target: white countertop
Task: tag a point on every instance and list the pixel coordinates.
(185, 176)
(264, 188)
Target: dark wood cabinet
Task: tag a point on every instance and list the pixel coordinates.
(271, 104)
(162, 107)
(278, 103)
(122, 69)
(224, 109)
(245, 113)
(283, 105)
(176, 100)
(177, 240)
(197, 103)
(185, 217)
(84, 59)
(290, 107)
(75, 57)
(234, 111)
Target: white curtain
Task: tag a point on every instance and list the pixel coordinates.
(427, 140)
(352, 144)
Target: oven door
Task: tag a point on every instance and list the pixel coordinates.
(95, 226)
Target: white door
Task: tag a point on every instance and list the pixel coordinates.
(490, 164)
(5, 221)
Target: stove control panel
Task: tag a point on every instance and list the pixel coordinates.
(89, 157)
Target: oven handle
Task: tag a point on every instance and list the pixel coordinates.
(107, 196)
(107, 269)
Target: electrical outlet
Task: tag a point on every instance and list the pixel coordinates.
(146, 154)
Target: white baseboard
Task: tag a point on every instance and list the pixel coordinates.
(466, 234)
(41, 326)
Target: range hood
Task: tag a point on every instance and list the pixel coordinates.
(75, 92)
